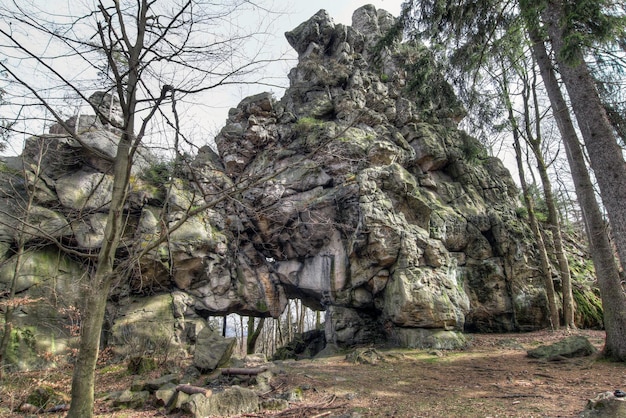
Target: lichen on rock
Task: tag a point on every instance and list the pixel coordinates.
(354, 194)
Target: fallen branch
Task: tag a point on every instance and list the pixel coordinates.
(242, 371)
(58, 408)
(323, 414)
(28, 408)
(514, 395)
(190, 390)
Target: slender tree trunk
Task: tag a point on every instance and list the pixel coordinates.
(541, 246)
(242, 337)
(607, 273)
(301, 318)
(289, 323)
(605, 154)
(97, 290)
(279, 340)
(91, 329)
(253, 334)
(555, 227)
(530, 206)
(553, 221)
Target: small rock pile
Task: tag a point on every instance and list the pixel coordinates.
(226, 392)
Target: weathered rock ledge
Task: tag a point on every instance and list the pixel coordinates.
(373, 207)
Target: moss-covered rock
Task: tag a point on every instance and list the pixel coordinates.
(45, 397)
(574, 346)
(43, 324)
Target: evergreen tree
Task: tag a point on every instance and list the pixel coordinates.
(463, 32)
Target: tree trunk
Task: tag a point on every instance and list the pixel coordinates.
(555, 227)
(84, 369)
(605, 154)
(607, 273)
(242, 337)
(253, 334)
(191, 390)
(535, 140)
(301, 317)
(279, 340)
(289, 323)
(534, 225)
(97, 289)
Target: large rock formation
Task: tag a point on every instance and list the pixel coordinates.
(375, 209)
(354, 192)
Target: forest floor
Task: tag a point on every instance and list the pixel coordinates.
(493, 377)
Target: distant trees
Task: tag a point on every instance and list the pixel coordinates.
(148, 54)
(5, 124)
(469, 35)
(266, 335)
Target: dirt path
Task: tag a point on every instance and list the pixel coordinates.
(491, 378)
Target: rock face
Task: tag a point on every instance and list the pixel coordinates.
(355, 192)
(381, 212)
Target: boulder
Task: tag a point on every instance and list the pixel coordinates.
(231, 401)
(605, 405)
(574, 346)
(130, 399)
(212, 350)
(83, 190)
(158, 383)
(45, 397)
(178, 401)
(147, 324)
(48, 277)
(302, 346)
(165, 394)
(435, 339)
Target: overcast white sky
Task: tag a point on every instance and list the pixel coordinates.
(340, 10)
(209, 115)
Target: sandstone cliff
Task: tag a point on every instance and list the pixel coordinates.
(355, 192)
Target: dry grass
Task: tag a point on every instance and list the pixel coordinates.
(492, 378)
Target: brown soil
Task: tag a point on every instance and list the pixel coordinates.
(491, 378)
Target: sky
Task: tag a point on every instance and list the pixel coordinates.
(340, 10)
(209, 114)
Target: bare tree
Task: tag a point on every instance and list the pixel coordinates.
(534, 138)
(530, 203)
(149, 54)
